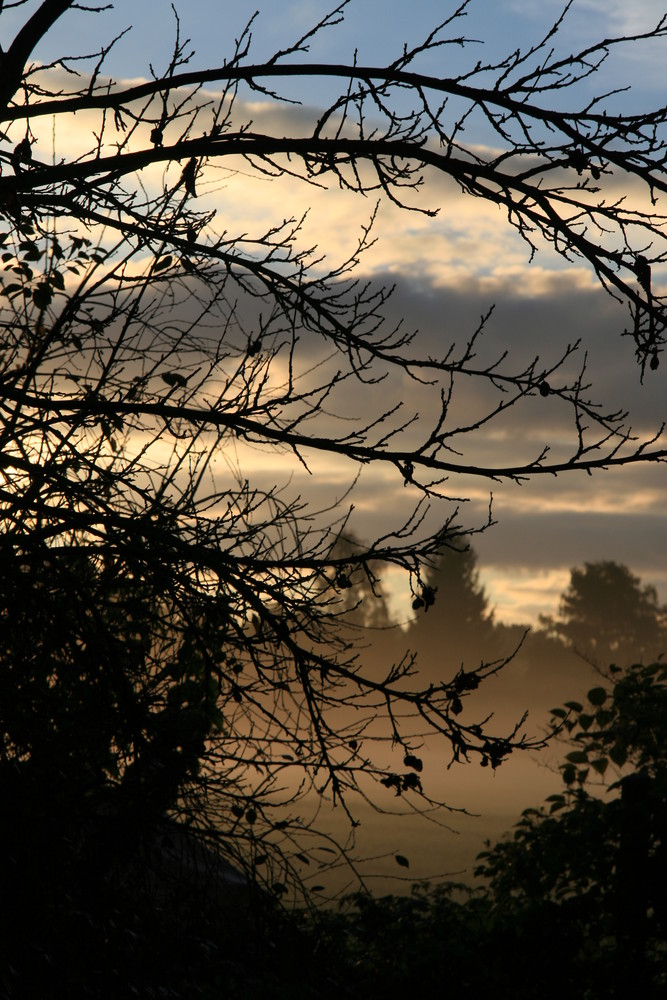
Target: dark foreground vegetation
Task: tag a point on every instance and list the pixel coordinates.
(573, 900)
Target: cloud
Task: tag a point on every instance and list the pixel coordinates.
(449, 271)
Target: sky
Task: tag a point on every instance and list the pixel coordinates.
(450, 269)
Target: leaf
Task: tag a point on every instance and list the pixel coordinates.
(189, 175)
(57, 280)
(586, 721)
(560, 713)
(174, 379)
(597, 696)
(600, 765)
(574, 705)
(577, 757)
(618, 754)
(402, 861)
(42, 296)
(163, 264)
(415, 762)
(569, 774)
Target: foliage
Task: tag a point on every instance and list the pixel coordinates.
(597, 856)
(607, 616)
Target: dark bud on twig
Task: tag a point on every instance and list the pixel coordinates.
(545, 388)
(643, 272)
(343, 581)
(189, 176)
(417, 604)
(578, 160)
(655, 362)
(415, 762)
(466, 681)
(157, 135)
(428, 594)
(23, 152)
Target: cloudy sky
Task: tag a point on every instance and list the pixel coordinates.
(451, 269)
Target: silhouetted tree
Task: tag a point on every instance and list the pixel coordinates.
(146, 353)
(608, 616)
(460, 627)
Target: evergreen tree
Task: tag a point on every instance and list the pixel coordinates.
(608, 616)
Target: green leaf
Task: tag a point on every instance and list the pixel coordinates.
(597, 696)
(402, 861)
